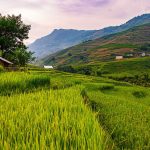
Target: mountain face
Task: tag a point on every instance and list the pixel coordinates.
(103, 49)
(63, 38)
(58, 40)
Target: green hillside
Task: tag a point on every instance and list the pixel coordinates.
(135, 70)
(130, 66)
(102, 49)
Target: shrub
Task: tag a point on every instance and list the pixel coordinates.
(66, 69)
(99, 73)
(139, 94)
(106, 87)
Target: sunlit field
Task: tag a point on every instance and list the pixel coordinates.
(57, 110)
(82, 87)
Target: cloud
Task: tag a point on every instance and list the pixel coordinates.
(93, 3)
(80, 6)
(45, 15)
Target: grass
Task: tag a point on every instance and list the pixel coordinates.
(55, 119)
(58, 110)
(1, 68)
(124, 113)
(133, 70)
(22, 82)
(130, 66)
(114, 46)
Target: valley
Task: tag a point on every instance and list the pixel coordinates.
(85, 90)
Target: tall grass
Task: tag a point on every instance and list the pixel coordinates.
(124, 115)
(55, 119)
(58, 116)
(11, 83)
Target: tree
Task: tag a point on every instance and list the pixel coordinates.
(69, 54)
(12, 34)
(53, 59)
(67, 69)
(145, 48)
(21, 57)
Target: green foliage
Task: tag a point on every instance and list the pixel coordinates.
(66, 69)
(139, 94)
(106, 87)
(59, 110)
(123, 115)
(145, 48)
(117, 46)
(22, 82)
(142, 79)
(69, 54)
(21, 57)
(131, 65)
(12, 33)
(87, 70)
(55, 119)
(1, 68)
(136, 71)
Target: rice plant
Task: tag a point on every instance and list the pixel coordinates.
(11, 82)
(55, 119)
(57, 110)
(124, 115)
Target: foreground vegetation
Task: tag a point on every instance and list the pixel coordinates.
(49, 119)
(55, 119)
(124, 112)
(22, 82)
(58, 110)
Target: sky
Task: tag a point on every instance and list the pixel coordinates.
(46, 15)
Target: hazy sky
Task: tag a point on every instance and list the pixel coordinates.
(46, 15)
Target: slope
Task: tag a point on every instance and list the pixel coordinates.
(57, 40)
(102, 49)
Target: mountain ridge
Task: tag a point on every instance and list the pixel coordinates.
(63, 38)
(102, 49)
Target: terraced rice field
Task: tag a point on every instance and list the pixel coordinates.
(56, 110)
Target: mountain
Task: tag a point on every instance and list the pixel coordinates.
(59, 39)
(102, 49)
(136, 21)
(64, 38)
